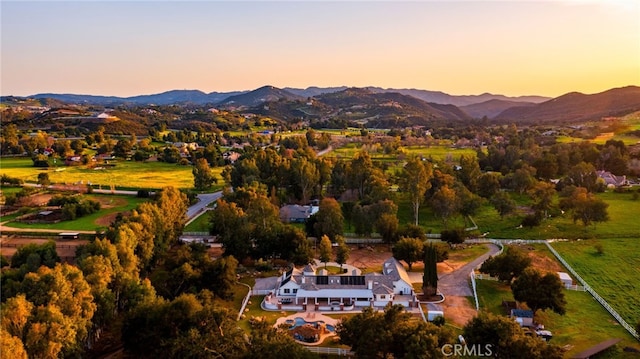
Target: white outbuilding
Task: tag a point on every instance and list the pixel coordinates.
(565, 278)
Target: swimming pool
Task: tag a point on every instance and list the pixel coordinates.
(298, 322)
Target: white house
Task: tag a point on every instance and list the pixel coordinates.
(297, 289)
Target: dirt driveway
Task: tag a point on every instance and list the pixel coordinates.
(453, 278)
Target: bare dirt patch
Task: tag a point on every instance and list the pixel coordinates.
(107, 219)
(110, 202)
(35, 200)
(65, 249)
(457, 310)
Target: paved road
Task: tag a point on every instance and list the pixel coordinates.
(457, 282)
(204, 200)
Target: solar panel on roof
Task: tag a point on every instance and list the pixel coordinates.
(322, 279)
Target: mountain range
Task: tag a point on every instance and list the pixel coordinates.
(380, 105)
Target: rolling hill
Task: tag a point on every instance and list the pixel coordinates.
(492, 107)
(577, 107)
(259, 96)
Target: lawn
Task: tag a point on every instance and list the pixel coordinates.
(436, 152)
(614, 274)
(125, 174)
(622, 222)
(585, 324)
(200, 224)
(114, 204)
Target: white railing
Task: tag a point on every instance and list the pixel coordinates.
(330, 350)
(583, 287)
(472, 275)
(595, 295)
(244, 302)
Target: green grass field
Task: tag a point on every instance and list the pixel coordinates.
(614, 274)
(89, 223)
(585, 324)
(437, 152)
(129, 174)
(200, 224)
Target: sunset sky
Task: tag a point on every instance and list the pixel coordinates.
(142, 47)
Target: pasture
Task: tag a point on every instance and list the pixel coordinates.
(124, 174)
(111, 205)
(586, 322)
(613, 274)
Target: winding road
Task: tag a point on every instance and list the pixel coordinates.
(457, 282)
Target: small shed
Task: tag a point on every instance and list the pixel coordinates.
(565, 278)
(434, 311)
(524, 317)
(69, 235)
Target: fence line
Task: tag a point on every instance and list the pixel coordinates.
(584, 285)
(595, 295)
(472, 275)
(244, 302)
(330, 350)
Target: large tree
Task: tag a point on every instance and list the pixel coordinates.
(342, 251)
(329, 218)
(392, 334)
(325, 250)
(430, 275)
(507, 265)
(540, 291)
(415, 180)
(203, 178)
(501, 337)
(409, 250)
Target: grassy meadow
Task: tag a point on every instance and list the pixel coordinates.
(568, 330)
(614, 274)
(125, 174)
(110, 206)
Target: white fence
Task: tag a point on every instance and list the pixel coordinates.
(332, 351)
(244, 303)
(583, 287)
(595, 295)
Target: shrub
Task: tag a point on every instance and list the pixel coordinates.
(530, 221)
(453, 236)
(143, 193)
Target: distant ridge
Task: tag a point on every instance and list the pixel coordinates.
(164, 98)
(492, 108)
(199, 98)
(259, 96)
(575, 107)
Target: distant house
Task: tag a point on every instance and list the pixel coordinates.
(72, 160)
(611, 180)
(231, 156)
(523, 317)
(294, 213)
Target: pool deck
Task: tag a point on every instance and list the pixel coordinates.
(310, 317)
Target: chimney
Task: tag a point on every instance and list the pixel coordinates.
(303, 279)
(370, 285)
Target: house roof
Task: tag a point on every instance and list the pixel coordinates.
(382, 289)
(395, 270)
(521, 313)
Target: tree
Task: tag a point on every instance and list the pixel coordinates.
(342, 251)
(430, 275)
(415, 180)
(43, 179)
(409, 250)
(539, 291)
(387, 226)
(504, 338)
(444, 203)
(305, 177)
(202, 176)
(507, 265)
(330, 221)
(488, 184)
(503, 203)
(325, 250)
(230, 223)
(273, 342)
(469, 172)
(584, 206)
(453, 236)
(395, 335)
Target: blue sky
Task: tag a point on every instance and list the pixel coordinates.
(142, 47)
